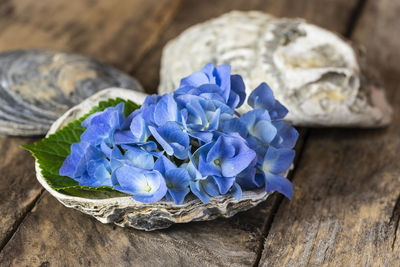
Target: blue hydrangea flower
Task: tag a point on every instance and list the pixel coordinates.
(263, 98)
(202, 117)
(276, 162)
(261, 131)
(138, 132)
(176, 179)
(214, 83)
(248, 178)
(224, 159)
(144, 186)
(87, 165)
(140, 154)
(286, 136)
(98, 173)
(101, 126)
(133, 156)
(172, 139)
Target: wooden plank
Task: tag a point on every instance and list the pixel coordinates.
(116, 32)
(56, 235)
(18, 186)
(346, 206)
(53, 234)
(333, 15)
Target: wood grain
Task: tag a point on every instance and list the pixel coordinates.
(331, 14)
(18, 186)
(54, 235)
(116, 32)
(346, 206)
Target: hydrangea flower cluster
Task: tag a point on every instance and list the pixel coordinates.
(192, 140)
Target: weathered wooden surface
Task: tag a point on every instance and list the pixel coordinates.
(326, 184)
(346, 208)
(116, 32)
(18, 186)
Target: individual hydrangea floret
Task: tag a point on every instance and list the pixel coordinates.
(192, 141)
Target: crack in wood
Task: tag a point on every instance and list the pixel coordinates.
(355, 17)
(19, 221)
(395, 217)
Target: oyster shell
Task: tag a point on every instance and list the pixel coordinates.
(312, 71)
(37, 86)
(126, 212)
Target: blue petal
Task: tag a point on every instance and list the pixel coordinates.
(100, 173)
(192, 170)
(163, 164)
(165, 145)
(235, 125)
(221, 148)
(278, 183)
(124, 137)
(222, 75)
(247, 177)
(205, 137)
(178, 195)
(134, 156)
(238, 92)
(106, 149)
(171, 137)
(206, 168)
(76, 162)
(195, 79)
(139, 158)
(177, 181)
(262, 97)
(165, 110)
(177, 178)
(287, 135)
(199, 192)
(232, 165)
(279, 111)
(236, 191)
(251, 117)
(277, 160)
(146, 187)
(139, 129)
(150, 100)
(110, 116)
(265, 131)
(210, 186)
(224, 183)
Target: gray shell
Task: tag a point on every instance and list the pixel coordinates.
(37, 86)
(126, 212)
(312, 71)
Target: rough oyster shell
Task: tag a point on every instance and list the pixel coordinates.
(37, 86)
(126, 212)
(312, 71)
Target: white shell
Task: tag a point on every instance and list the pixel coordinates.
(312, 71)
(124, 211)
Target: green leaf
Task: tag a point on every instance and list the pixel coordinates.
(51, 152)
